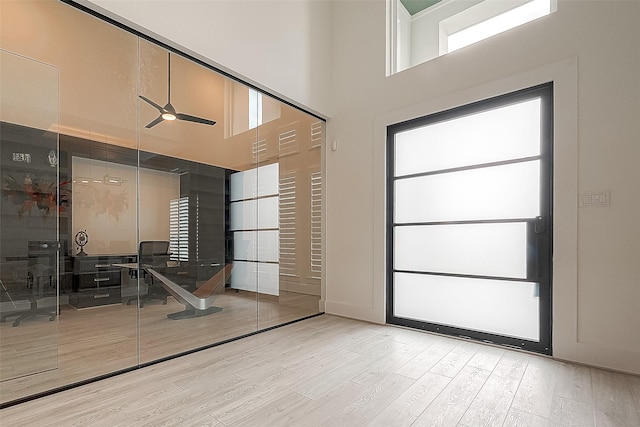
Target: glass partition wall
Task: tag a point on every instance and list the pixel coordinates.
(171, 207)
(29, 217)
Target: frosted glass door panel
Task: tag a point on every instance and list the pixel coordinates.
(494, 306)
(259, 182)
(497, 250)
(268, 180)
(254, 214)
(261, 245)
(505, 133)
(243, 185)
(268, 210)
(499, 192)
(254, 218)
(255, 277)
(243, 215)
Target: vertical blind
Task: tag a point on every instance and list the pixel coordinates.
(316, 224)
(179, 229)
(288, 224)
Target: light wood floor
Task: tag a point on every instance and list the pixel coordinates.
(83, 344)
(333, 371)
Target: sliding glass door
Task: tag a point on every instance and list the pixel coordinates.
(470, 220)
(151, 205)
(31, 255)
(225, 205)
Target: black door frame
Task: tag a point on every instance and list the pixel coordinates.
(539, 230)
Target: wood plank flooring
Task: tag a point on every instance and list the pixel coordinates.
(83, 344)
(331, 371)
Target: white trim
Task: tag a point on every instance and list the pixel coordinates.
(478, 13)
(433, 8)
(498, 16)
(564, 74)
(368, 314)
(392, 37)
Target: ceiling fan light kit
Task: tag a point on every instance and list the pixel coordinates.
(168, 112)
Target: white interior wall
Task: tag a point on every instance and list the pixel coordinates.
(404, 30)
(590, 49)
(251, 39)
(108, 213)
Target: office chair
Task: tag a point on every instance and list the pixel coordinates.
(36, 285)
(152, 254)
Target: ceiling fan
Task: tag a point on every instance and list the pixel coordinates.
(168, 112)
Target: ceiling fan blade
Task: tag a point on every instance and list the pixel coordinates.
(188, 118)
(168, 110)
(155, 122)
(159, 108)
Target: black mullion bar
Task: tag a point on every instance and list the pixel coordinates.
(545, 240)
(390, 258)
(471, 109)
(470, 167)
(473, 334)
(464, 222)
(464, 276)
(253, 230)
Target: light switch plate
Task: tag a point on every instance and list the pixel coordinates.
(595, 198)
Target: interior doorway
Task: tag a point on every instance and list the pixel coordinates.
(470, 220)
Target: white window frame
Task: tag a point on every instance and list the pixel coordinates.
(487, 19)
(412, 40)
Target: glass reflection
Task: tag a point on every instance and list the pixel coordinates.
(29, 205)
(173, 234)
(95, 183)
(290, 143)
(200, 277)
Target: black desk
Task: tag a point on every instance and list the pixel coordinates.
(97, 279)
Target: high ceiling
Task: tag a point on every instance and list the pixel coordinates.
(415, 6)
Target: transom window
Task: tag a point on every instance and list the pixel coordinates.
(420, 30)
